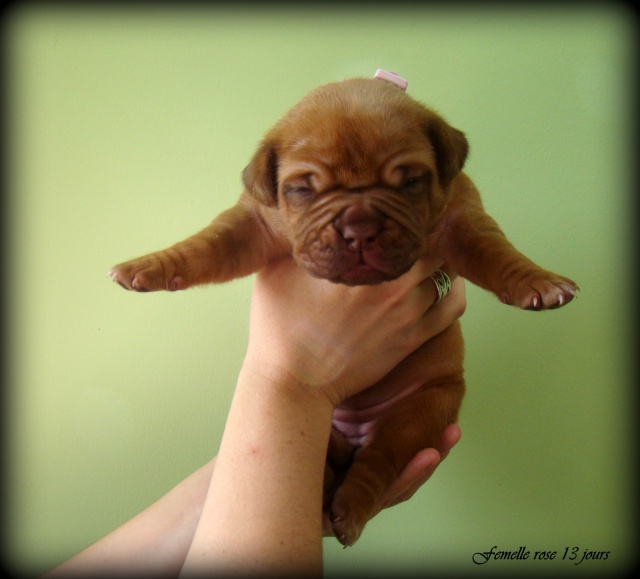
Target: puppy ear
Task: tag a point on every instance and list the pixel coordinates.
(260, 176)
(451, 148)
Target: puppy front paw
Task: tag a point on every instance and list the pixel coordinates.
(542, 290)
(146, 274)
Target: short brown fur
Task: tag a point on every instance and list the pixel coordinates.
(357, 182)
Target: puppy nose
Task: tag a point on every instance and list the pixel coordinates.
(359, 228)
(359, 235)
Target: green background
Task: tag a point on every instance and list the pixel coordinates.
(128, 130)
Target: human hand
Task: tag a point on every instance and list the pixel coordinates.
(419, 469)
(342, 339)
(417, 472)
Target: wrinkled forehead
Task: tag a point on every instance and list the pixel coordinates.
(355, 146)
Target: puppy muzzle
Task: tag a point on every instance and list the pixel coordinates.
(360, 245)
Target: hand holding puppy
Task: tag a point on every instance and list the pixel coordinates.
(341, 339)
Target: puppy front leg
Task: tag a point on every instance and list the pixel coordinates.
(236, 243)
(473, 244)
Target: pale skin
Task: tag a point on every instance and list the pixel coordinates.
(257, 506)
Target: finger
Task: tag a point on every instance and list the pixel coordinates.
(429, 284)
(450, 437)
(410, 284)
(424, 268)
(412, 477)
(420, 468)
(440, 316)
(423, 297)
(422, 461)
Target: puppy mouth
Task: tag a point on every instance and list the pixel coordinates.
(366, 271)
(357, 268)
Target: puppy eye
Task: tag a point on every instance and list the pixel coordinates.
(415, 183)
(300, 191)
(412, 182)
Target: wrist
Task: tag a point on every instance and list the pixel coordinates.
(301, 379)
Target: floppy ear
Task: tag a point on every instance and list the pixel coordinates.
(451, 148)
(260, 176)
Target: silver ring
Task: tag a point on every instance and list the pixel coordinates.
(443, 283)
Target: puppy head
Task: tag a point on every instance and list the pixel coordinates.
(359, 173)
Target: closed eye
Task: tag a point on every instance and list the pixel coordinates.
(297, 190)
(416, 182)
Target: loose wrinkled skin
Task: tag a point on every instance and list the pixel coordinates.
(358, 182)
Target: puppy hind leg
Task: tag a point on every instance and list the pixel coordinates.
(416, 423)
(354, 500)
(339, 458)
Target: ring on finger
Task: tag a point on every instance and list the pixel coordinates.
(443, 283)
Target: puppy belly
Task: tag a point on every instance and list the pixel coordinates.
(357, 418)
(438, 360)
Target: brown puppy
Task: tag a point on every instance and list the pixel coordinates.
(357, 182)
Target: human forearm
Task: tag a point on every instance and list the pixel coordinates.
(154, 542)
(272, 455)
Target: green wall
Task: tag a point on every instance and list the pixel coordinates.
(128, 129)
